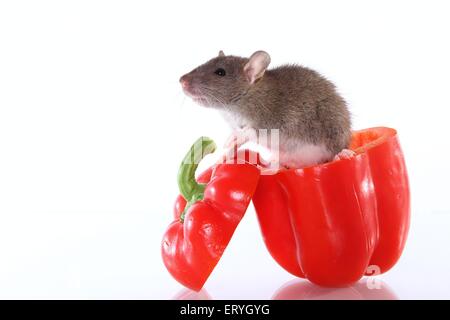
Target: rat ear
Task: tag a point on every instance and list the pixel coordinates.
(256, 66)
(221, 54)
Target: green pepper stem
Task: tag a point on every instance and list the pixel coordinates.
(190, 189)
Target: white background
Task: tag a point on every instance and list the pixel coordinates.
(93, 125)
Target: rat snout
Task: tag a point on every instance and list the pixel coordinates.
(187, 85)
(190, 86)
(184, 82)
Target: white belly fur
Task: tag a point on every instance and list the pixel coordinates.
(295, 154)
(292, 153)
(233, 120)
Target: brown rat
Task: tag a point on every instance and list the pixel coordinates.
(313, 120)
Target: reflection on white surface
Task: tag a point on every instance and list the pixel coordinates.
(299, 289)
(187, 294)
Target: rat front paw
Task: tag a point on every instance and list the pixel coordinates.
(344, 154)
(240, 137)
(231, 141)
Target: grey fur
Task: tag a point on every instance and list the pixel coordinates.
(303, 104)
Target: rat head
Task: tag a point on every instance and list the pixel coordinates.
(223, 80)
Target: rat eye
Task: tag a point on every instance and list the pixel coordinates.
(220, 72)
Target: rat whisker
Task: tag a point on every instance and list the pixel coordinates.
(215, 99)
(214, 95)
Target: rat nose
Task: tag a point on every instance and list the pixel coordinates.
(184, 82)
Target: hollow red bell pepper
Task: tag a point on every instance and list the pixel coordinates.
(335, 222)
(206, 215)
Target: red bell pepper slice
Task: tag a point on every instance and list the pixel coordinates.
(206, 215)
(333, 223)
